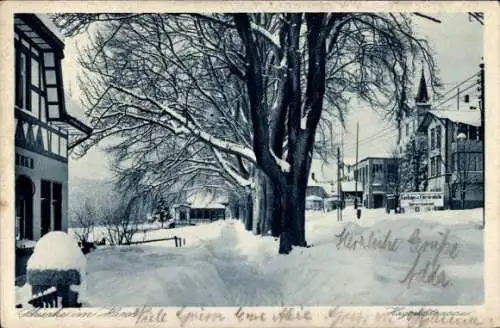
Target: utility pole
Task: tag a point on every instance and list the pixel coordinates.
(481, 128)
(358, 211)
(356, 170)
(339, 189)
(481, 98)
(458, 99)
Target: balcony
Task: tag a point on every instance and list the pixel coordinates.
(467, 146)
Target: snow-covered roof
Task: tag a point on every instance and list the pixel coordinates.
(51, 26)
(469, 117)
(327, 187)
(349, 160)
(313, 197)
(350, 186)
(206, 200)
(209, 205)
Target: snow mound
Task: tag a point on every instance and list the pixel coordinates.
(57, 251)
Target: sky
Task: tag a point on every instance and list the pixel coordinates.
(456, 42)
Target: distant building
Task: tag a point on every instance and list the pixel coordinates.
(200, 207)
(454, 164)
(316, 188)
(373, 175)
(320, 195)
(44, 132)
(455, 156)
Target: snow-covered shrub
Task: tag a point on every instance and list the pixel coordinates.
(86, 217)
(122, 220)
(57, 261)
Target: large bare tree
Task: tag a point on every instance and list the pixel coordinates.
(253, 89)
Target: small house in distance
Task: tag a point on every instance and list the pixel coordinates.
(319, 195)
(200, 208)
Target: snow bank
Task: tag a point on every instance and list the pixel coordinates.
(57, 260)
(57, 251)
(190, 233)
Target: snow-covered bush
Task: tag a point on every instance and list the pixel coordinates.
(86, 217)
(57, 261)
(122, 220)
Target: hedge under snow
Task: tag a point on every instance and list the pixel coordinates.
(57, 251)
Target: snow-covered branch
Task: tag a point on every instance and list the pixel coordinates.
(271, 38)
(187, 126)
(284, 165)
(232, 173)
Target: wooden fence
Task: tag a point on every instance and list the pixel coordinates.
(52, 297)
(179, 242)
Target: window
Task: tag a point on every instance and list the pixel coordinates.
(63, 147)
(433, 166)
(35, 73)
(29, 88)
(24, 161)
(57, 205)
(438, 165)
(22, 80)
(473, 133)
(407, 128)
(54, 147)
(49, 60)
(45, 206)
(438, 137)
(433, 135)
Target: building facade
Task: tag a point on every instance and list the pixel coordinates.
(44, 131)
(455, 156)
(374, 175)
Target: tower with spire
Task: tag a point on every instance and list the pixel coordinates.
(422, 100)
(414, 116)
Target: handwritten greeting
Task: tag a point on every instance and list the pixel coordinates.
(331, 317)
(428, 272)
(347, 239)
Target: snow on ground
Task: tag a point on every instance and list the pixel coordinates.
(146, 231)
(225, 265)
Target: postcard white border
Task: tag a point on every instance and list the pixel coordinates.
(488, 313)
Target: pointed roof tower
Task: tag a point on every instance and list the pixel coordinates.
(422, 95)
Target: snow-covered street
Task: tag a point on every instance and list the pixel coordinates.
(224, 265)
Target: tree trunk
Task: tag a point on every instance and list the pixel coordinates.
(248, 212)
(293, 228)
(267, 214)
(259, 204)
(275, 211)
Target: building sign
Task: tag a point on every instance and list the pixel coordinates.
(422, 199)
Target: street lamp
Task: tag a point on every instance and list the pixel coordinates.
(460, 138)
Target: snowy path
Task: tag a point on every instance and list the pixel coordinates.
(211, 273)
(224, 265)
